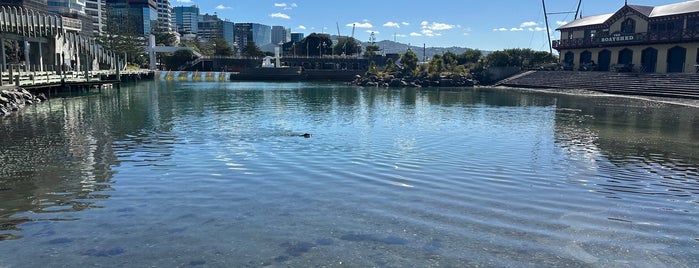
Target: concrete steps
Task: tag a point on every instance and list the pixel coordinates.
(663, 85)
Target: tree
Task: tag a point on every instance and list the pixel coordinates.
(469, 56)
(436, 65)
(252, 50)
(347, 46)
(371, 51)
(221, 48)
(314, 45)
(390, 66)
(409, 61)
(164, 38)
(179, 58)
(119, 36)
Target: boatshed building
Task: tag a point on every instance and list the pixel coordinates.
(660, 39)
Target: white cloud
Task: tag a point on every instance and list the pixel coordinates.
(414, 34)
(221, 7)
(184, 1)
(538, 29)
(405, 23)
(391, 24)
(301, 27)
(561, 22)
(436, 26)
(401, 35)
(500, 30)
(286, 6)
(528, 24)
(372, 31)
(280, 16)
(516, 29)
(365, 25)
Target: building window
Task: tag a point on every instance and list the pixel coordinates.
(628, 26)
(666, 26)
(590, 33)
(693, 24)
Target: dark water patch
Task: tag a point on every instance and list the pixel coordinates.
(325, 242)
(62, 240)
(388, 240)
(103, 252)
(296, 249)
(197, 263)
(281, 258)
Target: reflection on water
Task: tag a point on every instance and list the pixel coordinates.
(216, 174)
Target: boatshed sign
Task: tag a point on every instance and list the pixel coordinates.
(620, 38)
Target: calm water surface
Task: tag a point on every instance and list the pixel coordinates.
(180, 174)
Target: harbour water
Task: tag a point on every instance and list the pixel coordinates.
(217, 174)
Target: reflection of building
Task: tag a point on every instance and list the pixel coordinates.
(662, 39)
(140, 15)
(252, 32)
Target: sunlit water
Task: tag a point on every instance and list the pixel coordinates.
(180, 174)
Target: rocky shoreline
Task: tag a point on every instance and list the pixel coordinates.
(13, 99)
(397, 79)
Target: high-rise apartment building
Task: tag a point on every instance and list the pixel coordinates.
(164, 16)
(140, 15)
(280, 35)
(186, 19)
(252, 32)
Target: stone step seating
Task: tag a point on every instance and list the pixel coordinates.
(663, 85)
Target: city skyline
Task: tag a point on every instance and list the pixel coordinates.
(480, 25)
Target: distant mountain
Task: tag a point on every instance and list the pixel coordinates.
(388, 47)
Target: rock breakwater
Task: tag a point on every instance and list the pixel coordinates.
(13, 99)
(400, 80)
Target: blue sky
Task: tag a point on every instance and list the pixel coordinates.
(485, 25)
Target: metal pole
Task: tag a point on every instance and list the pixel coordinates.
(548, 31)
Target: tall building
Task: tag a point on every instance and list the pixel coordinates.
(211, 27)
(252, 32)
(164, 16)
(653, 39)
(296, 37)
(280, 35)
(96, 9)
(140, 16)
(73, 13)
(186, 19)
(40, 5)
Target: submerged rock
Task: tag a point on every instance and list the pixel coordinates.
(13, 99)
